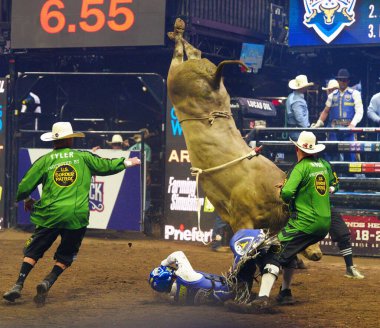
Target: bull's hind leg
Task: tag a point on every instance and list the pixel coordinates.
(178, 54)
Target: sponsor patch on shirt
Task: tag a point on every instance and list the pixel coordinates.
(347, 97)
(65, 175)
(320, 184)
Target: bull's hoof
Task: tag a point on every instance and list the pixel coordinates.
(171, 36)
(179, 26)
(179, 29)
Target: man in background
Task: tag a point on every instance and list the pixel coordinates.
(374, 110)
(116, 143)
(344, 109)
(339, 231)
(297, 112)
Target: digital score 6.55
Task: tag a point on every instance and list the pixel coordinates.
(334, 22)
(87, 23)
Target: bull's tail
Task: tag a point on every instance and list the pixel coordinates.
(219, 71)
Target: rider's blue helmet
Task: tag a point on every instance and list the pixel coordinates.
(160, 279)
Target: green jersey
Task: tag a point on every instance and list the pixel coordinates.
(65, 175)
(306, 190)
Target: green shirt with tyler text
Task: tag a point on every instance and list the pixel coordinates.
(65, 175)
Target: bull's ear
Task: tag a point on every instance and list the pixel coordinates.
(219, 71)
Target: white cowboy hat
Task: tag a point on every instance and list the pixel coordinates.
(61, 130)
(333, 84)
(116, 138)
(307, 143)
(299, 82)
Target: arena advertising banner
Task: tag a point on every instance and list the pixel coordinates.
(335, 22)
(114, 200)
(180, 190)
(87, 23)
(365, 233)
(3, 107)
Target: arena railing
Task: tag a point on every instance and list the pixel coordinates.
(16, 94)
(359, 195)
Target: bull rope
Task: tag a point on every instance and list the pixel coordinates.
(197, 172)
(211, 118)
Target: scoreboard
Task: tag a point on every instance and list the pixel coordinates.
(87, 23)
(334, 22)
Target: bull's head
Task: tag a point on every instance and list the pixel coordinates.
(329, 13)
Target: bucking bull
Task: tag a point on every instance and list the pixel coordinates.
(244, 193)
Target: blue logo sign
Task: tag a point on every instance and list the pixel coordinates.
(176, 126)
(328, 18)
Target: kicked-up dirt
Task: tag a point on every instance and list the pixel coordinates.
(107, 287)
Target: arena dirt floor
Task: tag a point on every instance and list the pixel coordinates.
(107, 287)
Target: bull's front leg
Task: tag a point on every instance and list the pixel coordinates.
(177, 36)
(191, 52)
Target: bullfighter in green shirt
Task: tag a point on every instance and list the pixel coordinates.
(65, 175)
(306, 191)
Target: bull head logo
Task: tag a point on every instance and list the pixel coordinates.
(329, 13)
(329, 17)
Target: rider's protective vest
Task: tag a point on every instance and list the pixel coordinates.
(342, 108)
(187, 291)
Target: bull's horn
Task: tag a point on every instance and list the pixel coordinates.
(219, 70)
(329, 9)
(345, 13)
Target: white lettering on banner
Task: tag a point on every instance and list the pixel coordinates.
(181, 158)
(96, 195)
(188, 203)
(182, 186)
(187, 188)
(258, 105)
(355, 224)
(188, 235)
